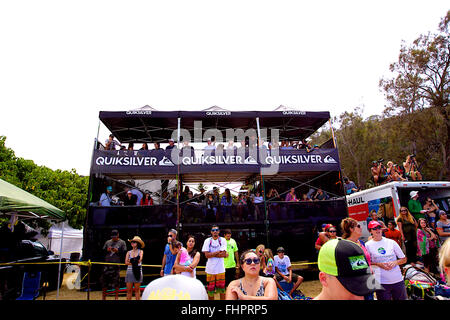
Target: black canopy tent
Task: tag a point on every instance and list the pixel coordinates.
(158, 126)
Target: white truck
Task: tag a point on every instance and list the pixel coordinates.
(387, 199)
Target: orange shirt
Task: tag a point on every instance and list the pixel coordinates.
(394, 235)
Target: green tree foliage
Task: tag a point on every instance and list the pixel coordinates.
(420, 80)
(63, 189)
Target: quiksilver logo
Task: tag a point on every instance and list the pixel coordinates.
(329, 159)
(294, 112)
(218, 113)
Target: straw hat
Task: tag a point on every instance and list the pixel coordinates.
(138, 240)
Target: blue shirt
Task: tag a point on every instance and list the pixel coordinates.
(105, 200)
(170, 260)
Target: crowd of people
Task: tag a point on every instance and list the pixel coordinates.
(211, 145)
(348, 267)
(407, 171)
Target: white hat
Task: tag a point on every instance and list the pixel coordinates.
(412, 194)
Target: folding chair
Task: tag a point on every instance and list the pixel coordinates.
(30, 286)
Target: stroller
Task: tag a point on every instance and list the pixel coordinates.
(421, 285)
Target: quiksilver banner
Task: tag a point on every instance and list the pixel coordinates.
(172, 162)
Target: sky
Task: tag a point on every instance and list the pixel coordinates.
(62, 62)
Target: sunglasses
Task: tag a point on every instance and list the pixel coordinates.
(403, 210)
(169, 235)
(358, 226)
(250, 260)
(377, 228)
(214, 230)
(332, 231)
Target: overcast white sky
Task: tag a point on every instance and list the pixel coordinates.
(62, 62)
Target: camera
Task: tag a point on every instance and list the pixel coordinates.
(381, 160)
(412, 155)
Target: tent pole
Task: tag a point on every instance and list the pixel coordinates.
(60, 258)
(263, 191)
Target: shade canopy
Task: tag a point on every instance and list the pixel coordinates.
(145, 125)
(22, 203)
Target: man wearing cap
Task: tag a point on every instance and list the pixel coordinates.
(111, 143)
(415, 207)
(344, 272)
(115, 248)
(386, 257)
(170, 253)
(105, 198)
(284, 272)
(171, 145)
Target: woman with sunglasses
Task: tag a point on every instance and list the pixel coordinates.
(260, 253)
(432, 210)
(252, 286)
(352, 231)
(407, 225)
(386, 257)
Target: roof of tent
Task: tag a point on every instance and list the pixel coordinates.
(16, 200)
(150, 125)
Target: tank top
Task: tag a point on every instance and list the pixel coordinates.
(259, 293)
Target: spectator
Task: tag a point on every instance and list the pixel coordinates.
(373, 216)
(393, 233)
(252, 286)
(325, 235)
(200, 196)
(349, 186)
(432, 210)
(226, 203)
(407, 225)
(444, 261)
(241, 206)
(130, 146)
(115, 248)
(105, 198)
(130, 199)
(230, 146)
(187, 259)
(210, 207)
(260, 253)
(215, 250)
(352, 231)
(209, 146)
(443, 226)
(386, 257)
(283, 270)
(291, 196)
(111, 143)
(393, 173)
(378, 173)
(344, 272)
(427, 245)
(171, 145)
(415, 207)
(133, 260)
(246, 187)
(320, 195)
(170, 254)
(147, 199)
(187, 150)
(305, 197)
(269, 270)
(144, 146)
(231, 261)
(157, 146)
(257, 201)
(411, 168)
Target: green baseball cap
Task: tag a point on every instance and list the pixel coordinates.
(346, 261)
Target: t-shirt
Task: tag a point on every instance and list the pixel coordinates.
(445, 228)
(282, 264)
(231, 249)
(349, 186)
(385, 250)
(270, 263)
(414, 207)
(170, 260)
(138, 194)
(394, 235)
(105, 200)
(114, 257)
(215, 265)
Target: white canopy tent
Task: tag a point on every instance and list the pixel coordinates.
(72, 240)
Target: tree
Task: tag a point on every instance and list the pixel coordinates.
(63, 189)
(420, 80)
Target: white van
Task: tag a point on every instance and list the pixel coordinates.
(387, 199)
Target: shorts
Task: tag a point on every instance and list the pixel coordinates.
(215, 283)
(110, 276)
(294, 277)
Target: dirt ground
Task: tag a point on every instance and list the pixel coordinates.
(309, 288)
